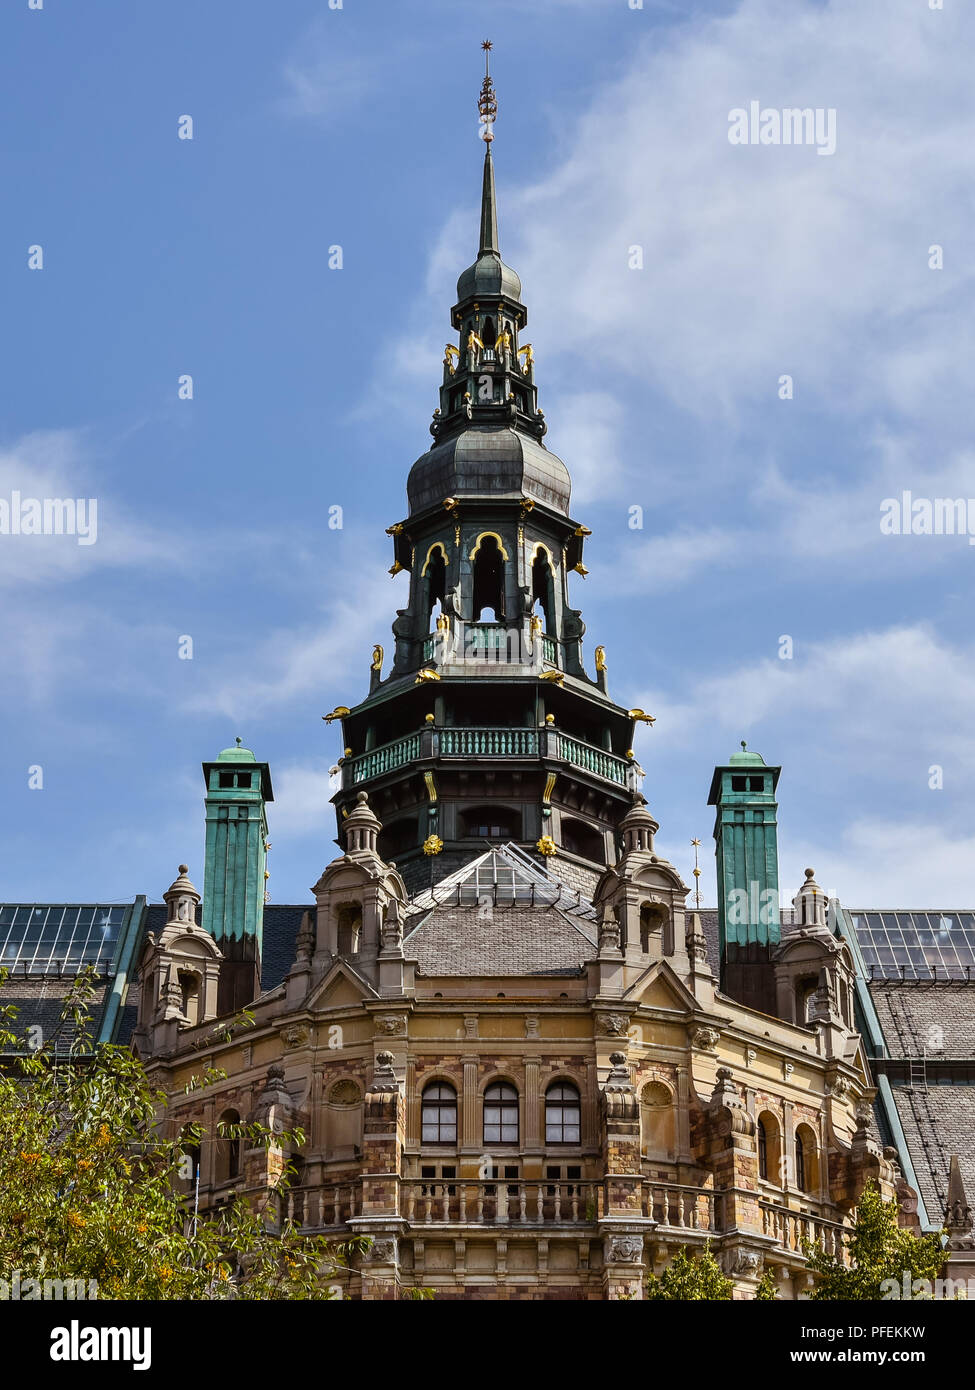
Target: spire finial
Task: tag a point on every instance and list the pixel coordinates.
(487, 103)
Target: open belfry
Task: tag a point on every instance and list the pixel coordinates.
(526, 1066)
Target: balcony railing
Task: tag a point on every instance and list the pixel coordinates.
(485, 743)
(595, 760)
(790, 1228)
(490, 642)
(318, 1208)
(385, 758)
(499, 1203)
(491, 743)
(680, 1207)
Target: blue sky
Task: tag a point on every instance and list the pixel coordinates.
(314, 388)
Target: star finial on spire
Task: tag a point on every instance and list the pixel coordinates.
(487, 103)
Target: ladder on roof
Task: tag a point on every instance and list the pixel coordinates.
(918, 1076)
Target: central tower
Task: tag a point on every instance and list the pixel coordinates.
(488, 728)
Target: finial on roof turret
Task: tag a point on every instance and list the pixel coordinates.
(487, 102)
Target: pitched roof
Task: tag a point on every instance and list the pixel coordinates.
(938, 1122)
(938, 1021)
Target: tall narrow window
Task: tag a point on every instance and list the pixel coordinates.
(438, 1114)
(435, 580)
(543, 589)
(762, 1150)
(501, 1114)
(488, 580)
(228, 1148)
(800, 1164)
(563, 1114)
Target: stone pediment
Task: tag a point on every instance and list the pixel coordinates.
(341, 987)
(659, 987)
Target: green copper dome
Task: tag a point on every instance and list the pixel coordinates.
(236, 755)
(746, 759)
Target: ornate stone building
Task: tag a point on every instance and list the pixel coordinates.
(521, 1067)
(524, 1067)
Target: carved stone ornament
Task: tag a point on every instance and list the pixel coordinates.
(391, 1023)
(383, 1251)
(531, 1026)
(745, 1262)
(384, 1078)
(614, 1024)
(295, 1036)
(624, 1249)
(470, 1025)
(619, 1078)
(706, 1038)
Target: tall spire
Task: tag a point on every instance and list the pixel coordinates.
(487, 106)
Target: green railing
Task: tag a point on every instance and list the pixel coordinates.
(488, 640)
(492, 743)
(592, 759)
(384, 759)
(485, 743)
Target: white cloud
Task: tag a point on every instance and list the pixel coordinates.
(330, 658)
(863, 696)
(887, 863)
(302, 800)
(56, 464)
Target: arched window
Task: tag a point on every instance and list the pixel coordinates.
(543, 589)
(189, 994)
(189, 1167)
(762, 1150)
(579, 838)
(438, 1114)
(656, 925)
(501, 1114)
(563, 1114)
(349, 926)
(435, 582)
(805, 989)
(227, 1166)
(807, 1163)
(488, 579)
(769, 1138)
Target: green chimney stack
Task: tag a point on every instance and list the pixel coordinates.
(748, 876)
(237, 790)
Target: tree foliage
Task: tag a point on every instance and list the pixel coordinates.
(878, 1249)
(91, 1190)
(691, 1277)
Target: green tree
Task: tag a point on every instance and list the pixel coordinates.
(878, 1250)
(90, 1190)
(767, 1292)
(690, 1277)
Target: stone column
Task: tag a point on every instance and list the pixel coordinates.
(622, 1223)
(382, 1152)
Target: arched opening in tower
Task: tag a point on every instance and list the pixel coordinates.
(488, 582)
(435, 582)
(543, 590)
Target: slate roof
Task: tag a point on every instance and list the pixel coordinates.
(282, 922)
(501, 914)
(938, 1121)
(937, 1020)
(502, 941)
